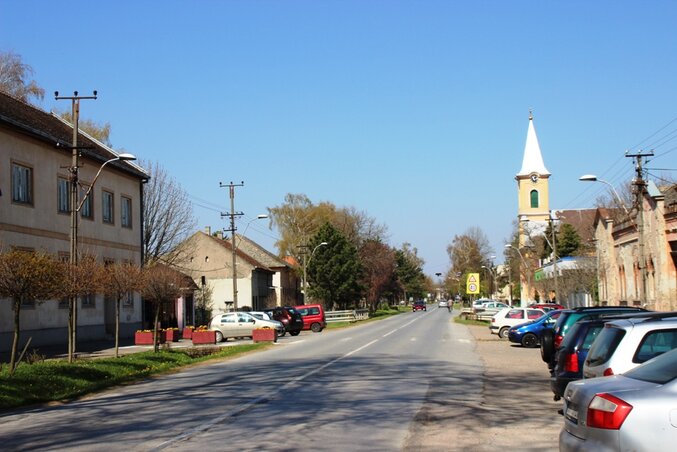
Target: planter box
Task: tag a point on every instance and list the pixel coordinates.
(264, 335)
(204, 337)
(146, 337)
(173, 335)
(188, 332)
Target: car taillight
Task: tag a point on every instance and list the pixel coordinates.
(558, 340)
(608, 372)
(571, 363)
(607, 412)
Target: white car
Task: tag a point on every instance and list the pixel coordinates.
(628, 342)
(443, 304)
(240, 324)
(509, 317)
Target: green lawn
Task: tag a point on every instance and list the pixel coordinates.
(53, 380)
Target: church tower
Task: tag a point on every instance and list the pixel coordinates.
(532, 182)
(533, 208)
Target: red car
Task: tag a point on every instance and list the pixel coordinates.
(419, 306)
(546, 306)
(313, 317)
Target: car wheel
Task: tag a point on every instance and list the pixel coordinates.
(219, 336)
(282, 333)
(315, 327)
(503, 332)
(294, 333)
(530, 341)
(547, 345)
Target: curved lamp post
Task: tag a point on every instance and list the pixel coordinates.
(305, 267)
(258, 217)
(526, 268)
(593, 178)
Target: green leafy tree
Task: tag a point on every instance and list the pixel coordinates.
(27, 277)
(335, 271)
(568, 241)
(409, 272)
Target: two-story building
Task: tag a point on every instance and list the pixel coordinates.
(35, 214)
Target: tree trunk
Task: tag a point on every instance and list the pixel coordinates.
(117, 326)
(156, 347)
(15, 342)
(71, 348)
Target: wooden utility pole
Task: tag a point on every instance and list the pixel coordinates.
(640, 189)
(231, 186)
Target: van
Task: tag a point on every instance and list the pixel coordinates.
(313, 317)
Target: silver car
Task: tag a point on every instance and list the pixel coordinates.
(240, 324)
(633, 411)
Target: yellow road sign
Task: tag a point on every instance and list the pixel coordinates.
(473, 283)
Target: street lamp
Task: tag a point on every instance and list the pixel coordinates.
(439, 289)
(593, 178)
(526, 268)
(493, 279)
(305, 267)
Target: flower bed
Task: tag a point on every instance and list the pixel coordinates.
(204, 337)
(145, 337)
(264, 335)
(188, 332)
(173, 334)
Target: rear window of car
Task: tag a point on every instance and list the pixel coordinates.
(515, 314)
(605, 345)
(590, 336)
(655, 343)
(534, 314)
(661, 370)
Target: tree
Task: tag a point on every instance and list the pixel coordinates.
(469, 251)
(119, 280)
(167, 217)
(100, 132)
(335, 271)
(409, 272)
(378, 263)
(161, 284)
(568, 241)
(27, 277)
(14, 75)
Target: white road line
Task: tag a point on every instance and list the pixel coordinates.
(242, 408)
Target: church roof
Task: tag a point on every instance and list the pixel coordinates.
(532, 161)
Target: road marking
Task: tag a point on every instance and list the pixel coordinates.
(244, 407)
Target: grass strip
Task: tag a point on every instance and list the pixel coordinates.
(57, 380)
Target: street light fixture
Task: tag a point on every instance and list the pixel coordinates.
(305, 267)
(593, 178)
(526, 268)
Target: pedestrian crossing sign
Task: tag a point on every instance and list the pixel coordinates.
(473, 283)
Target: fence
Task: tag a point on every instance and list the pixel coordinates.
(351, 315)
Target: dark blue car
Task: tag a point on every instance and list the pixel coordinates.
(529, 334)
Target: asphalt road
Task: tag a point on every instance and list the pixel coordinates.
(415, 381)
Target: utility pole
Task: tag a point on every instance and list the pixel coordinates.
(231, 186)
(553, 218)
(640, 189)
(73, 199)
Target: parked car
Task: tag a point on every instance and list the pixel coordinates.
(572, 353)
(419, 305)
(289, 317)
(551, 339)
(509, 317)
(629, 342)
(313, 317)
(480, 301)
(632, 411)
(529, 334)
(546, 306)
(260, 315)
(489, 307)
(240, 324)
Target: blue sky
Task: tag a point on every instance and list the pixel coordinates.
(415, 112)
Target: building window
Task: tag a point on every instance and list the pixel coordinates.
(534, 198)
(87, 209)
(126, 212)
(63, 195)
(88, 301)
(128, 300)
(22, 184)
(107, 207)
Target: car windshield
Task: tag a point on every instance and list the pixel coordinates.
(660, 370)
(605, 345)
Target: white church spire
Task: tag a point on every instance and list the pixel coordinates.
(532, 161)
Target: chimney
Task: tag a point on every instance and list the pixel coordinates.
(208, 230)
(219, 234)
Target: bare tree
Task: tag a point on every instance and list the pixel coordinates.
(161, 284)
(167, 216)
(14, 75)
(378, 270)
(120, 280)
(27, 277)
(98, 131)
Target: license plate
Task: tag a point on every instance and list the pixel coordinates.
(571, 415)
